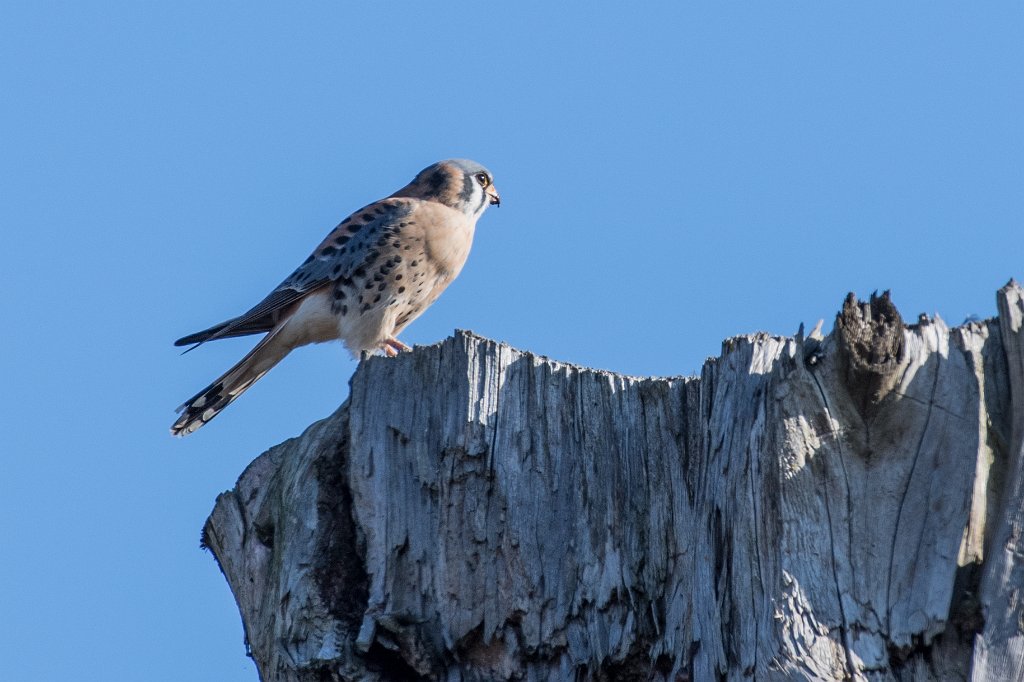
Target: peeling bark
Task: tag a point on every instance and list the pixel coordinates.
(840, 507)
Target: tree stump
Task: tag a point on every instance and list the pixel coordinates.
(808, 508)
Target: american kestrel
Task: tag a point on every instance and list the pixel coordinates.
(374, 274)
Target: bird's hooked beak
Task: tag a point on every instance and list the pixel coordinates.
(493, 194)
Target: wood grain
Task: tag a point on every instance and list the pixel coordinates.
(476, 512)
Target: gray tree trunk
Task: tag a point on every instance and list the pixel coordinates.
(808, 508)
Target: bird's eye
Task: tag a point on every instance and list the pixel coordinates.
(483, 179)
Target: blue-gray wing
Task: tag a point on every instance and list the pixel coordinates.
(345, 253)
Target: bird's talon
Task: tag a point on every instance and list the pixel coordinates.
(396, 345)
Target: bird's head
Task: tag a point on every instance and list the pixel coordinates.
(459, 183)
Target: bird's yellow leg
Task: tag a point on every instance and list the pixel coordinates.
(393, 345)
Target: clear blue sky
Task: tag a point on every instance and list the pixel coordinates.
(671, 175)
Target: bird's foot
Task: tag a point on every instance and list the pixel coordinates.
(396, 344)
(393, 347)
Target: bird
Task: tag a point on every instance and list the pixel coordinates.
(376, 272)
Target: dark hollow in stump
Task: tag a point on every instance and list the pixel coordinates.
(871, 347)
(840, 507)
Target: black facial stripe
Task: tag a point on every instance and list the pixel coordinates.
(437, 180)
(467, 187)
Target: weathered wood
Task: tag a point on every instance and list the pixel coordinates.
(871, 347)
(846, 507)
(999, 654)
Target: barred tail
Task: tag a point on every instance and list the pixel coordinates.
(209, 402)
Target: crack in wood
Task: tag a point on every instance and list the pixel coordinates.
(772, 518)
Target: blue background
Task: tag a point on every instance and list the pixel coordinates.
(672, 174)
